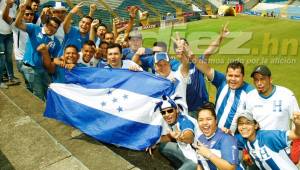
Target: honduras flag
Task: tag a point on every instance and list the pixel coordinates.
(115, 106)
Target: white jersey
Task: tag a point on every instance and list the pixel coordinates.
(180, 90)
(92, 63)
(272, 112)
(60, 33)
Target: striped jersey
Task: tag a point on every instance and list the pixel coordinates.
(229, 101)
(268, 149)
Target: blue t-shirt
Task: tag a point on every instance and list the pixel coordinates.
(102, 63)
(196, 92)
(221, 144)
(184, 123)
(268, 149)
(35, 38)
(146, 59)
(73, 37)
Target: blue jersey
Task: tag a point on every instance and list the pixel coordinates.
(228, 101)
(196, 92)
(221, 144)
(183, 123)
(36, 37)
(73, 37)
(268, 149)
(102, 63)
(146, 59)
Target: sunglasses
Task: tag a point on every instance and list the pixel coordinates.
(28, 14)
(164, 112)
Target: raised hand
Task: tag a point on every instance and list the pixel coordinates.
(22, 8)
(224, 31)
(93, 7)
(76, 8)
(95, 23)
(10, 3)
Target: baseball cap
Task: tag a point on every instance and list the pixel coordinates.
(261, 69)
(247, 114)
(161, 56)
(135, 34)
(59, 6)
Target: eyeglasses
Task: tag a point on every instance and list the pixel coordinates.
(28, 14)
(164, 112)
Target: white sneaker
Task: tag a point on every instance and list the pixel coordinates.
(3, 86)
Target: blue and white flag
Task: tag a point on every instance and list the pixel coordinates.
(115, 106)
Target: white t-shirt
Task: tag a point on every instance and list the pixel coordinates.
(180, 90)
(20, 39)
(272, 112)
(4, 27)
(60, 34)
(91, 63)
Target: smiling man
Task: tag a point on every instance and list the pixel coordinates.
(114, 59)
(39, 78)
(231, 91)
(176, 145)
(76, 35)
(272, 105)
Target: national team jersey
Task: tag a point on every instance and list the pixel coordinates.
(73, 37)
(196, 92)
(221, 144)
(38, 36)
(268, 149)
(184, 122)
(228, 101)
(272, 112)
(146, 59)
(180, 90)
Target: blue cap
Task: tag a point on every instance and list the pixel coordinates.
(161, 56)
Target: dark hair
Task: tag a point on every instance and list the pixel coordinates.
(89, 17)
(208, 106)
(236, 65)
(103, 25)
(36, 1)
(90, 43)
(71, 46)
(27, 7)
(109, 33)
(102, 42)
(161, 44)
(55, 19)
(114, 45)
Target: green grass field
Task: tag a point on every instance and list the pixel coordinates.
(253, 40)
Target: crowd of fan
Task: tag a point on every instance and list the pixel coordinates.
(201, 135)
